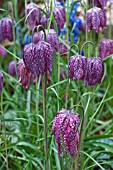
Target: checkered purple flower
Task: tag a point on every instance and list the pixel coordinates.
(6, 31)
(96, 18)
(60, 16)
(32, 14)
(65, 128)
(105, 48)
(94, 71)
(77, 67)
(38, 58)
(1, 81)
(24, 76)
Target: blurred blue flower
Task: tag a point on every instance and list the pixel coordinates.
(27, 39)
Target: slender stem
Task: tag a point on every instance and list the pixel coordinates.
(58, 75)
(39, 28)
(110, 26)
(67, 94)
(87, 43)
(44, 87)
(5, 138)
(37, 103)
(80, 139)
(67, 36)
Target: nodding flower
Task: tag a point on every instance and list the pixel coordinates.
(38, 58)
(24, 76)
(105, 48)
(77, 67)
(65, 128)
(95, 71)
(1, 81)
(32, 14)
(59, 16)
(96, 18)
(6, 30)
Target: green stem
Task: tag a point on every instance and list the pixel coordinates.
(110, 27)
(5, 138)
(67, 94)
(44, 87)
(37, 103)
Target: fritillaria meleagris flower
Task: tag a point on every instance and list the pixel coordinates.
(24, 76)
(32, 14)
(105, 48)
(6, 31)
(31, 59)
(62, 74)
(38, 58)
(60, 16)
(1, 81)
(95, 71)
(77, 67)
(96, 18)
(65, 127)
(99, 3)
(52, 38)
(12, 68)
(3, 51)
